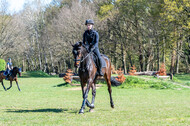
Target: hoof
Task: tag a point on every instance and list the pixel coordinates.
(91, 106)
(112, 105)
(91, 110)
(81, 111)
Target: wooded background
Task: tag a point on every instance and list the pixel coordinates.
(143, 33)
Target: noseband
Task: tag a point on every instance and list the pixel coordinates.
(77, 60)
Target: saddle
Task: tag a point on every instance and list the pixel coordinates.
(95, 59)
(6, 73)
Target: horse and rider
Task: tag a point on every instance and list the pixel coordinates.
(84, 52)
(10, 74)
(90, 40)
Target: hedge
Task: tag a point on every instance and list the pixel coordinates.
(2, 64)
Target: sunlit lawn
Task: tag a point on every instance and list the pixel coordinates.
(41, 102)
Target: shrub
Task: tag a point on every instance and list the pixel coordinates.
(132, 71)
(162, 71)
(120, 76)
(134, 82)
(67, 78)
(35, 74)
(2, 64)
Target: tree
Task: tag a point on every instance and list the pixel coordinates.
(176, 14)
(2, 64)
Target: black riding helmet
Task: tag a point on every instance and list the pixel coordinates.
(89, 21)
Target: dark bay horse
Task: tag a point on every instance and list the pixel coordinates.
(12, 77)
(88, 74)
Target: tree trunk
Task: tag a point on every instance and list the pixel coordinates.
(164, 50)
(46, 69)
(177, 59)
(172, 62)
(158, 55)
(140, 44)
(115, 56)
(149, 56)
(187, 65)
(23, 65)
(129, 57)
(123, 58)
(65, 65)
(59, 67)
(140, 58)
(39, 52)
(173, 57)
(52, 62)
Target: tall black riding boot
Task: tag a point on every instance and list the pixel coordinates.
(7, 77)
(100, 68)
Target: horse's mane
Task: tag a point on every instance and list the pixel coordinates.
(15, 68)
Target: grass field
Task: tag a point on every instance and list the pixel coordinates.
(46, 101)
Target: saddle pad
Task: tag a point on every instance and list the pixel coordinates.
(102, 59)
(5, 73)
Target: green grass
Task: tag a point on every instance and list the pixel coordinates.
(182, 78)
(47, 101)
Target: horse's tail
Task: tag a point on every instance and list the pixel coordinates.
(114, 82)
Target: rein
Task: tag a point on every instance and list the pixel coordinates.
(84, 57)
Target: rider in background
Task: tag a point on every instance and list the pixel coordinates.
(90, 39)
(9, 68)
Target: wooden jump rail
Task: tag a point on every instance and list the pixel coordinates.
(77, 78)
(114, 82)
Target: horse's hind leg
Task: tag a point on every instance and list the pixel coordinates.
(93, 97)
(109, 89)
(93, 92)
(3, 86)
(10, 85)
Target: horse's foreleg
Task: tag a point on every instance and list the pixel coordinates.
(10, 85)
(85, 96)
(17, 85)
(93, 93)
(109, 90)
(88, 104)
(3, 86)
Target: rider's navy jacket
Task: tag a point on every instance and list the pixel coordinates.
(91, 38)
(10, 65)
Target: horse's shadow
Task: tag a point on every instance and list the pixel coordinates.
(42, 110)
(61, 85)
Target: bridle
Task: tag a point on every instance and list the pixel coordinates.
(81, 60)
